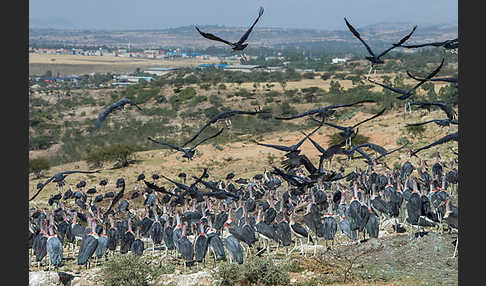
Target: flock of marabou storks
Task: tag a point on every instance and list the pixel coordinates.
(294, 206)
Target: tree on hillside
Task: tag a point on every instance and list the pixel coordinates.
(38, 165)
(122, 154)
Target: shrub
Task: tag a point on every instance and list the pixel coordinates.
(221, 86)
(336, 138)
(402, 140)
(121, 153)
(415, 130)
(287, 109)
(36, 166)
(309, 75)
(214, 99)
(205, 86)
(129, 269)
(41, 142)
(186, 94)
(255, 271)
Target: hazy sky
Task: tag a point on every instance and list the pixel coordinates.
(317, 14)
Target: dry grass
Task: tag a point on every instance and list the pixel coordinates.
(69, 64)
(246, 159)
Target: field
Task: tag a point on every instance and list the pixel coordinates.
(75, 64)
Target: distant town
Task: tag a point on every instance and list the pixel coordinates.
(148, 74)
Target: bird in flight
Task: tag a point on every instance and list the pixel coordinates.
(374, 59)
(119, 105)
(408, 93)
(440, 122)
(451, 114)
(445, 139)
(348, 131)
(188, 153)
(240, 44)
(324, 111)
(222, 115)
(443, 79)
(294, 149)
(447, 44)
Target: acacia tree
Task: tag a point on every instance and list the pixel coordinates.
(122, 154)
(36, 166)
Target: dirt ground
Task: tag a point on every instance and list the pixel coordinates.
(393, 259)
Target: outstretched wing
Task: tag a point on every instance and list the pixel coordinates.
(372, 117)
(351, 104)
(179, 185)
(331, 124)
(390, 152)
(278, 147)
(451, 114)
(445, 139)
(200, 131)
(84, 172)
(103, 115)
(212, 37)
(307, 136)
(373, 146)
(318, 147)
(117, 197)
(431, 75)
(309, 112)
(200, 178)
(210, 137)
(166, 144)
(357, 35)
(444, 79)
(247, 33)
(114, 106)
(157, 188)
(397, 90)
(435, 44)
(422, 123)
(403, 40)
(43, 185)
(363, 153)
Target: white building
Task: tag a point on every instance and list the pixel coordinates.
(243, 68)
(339, 60)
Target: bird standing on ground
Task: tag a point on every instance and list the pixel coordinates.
(59, 178)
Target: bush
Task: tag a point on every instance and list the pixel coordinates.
(41, 142)
(287, 109)
(121, 153)
(214, 99)
(415, 131)
(222, 86)
(36, 166)
(336, 138)
(186, 94)
(255, 271)
(129, 269)
(403, 141)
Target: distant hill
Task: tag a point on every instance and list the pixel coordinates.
(377, 35)
(50, 23)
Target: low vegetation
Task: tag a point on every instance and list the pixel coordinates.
(130, 270)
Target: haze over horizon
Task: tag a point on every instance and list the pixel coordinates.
(305, 14)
